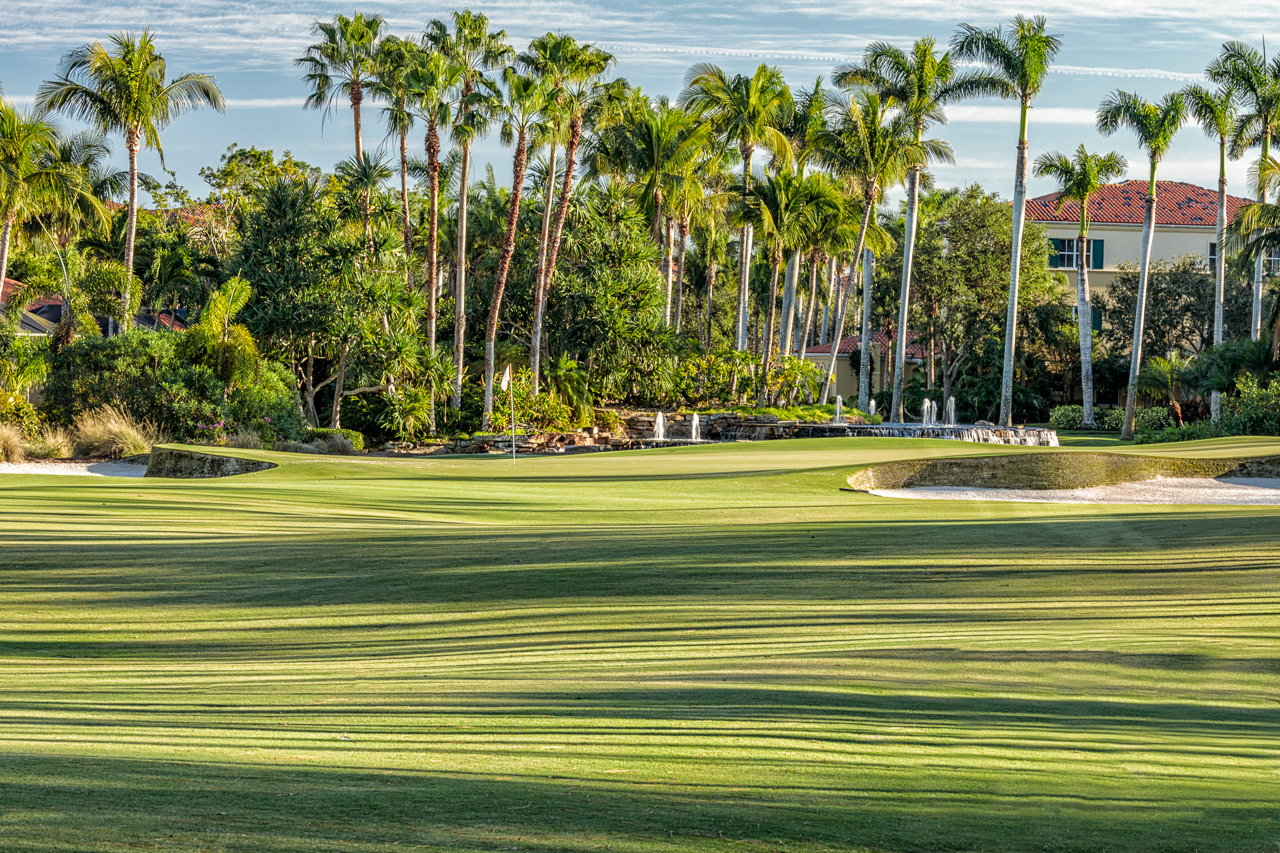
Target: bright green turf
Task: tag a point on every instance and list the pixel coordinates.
(708, 648)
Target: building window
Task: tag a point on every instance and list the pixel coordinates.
(1067, 257)
(1213, 255)
(1272, 263)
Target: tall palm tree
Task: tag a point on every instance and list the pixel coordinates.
(1018, 59)
(521, 113)
(922, 83)
(1257, 81)
(122, 89)
(343, 61)
(31, 178)
(571, 70)
(474, 49)
(1079, 178)
(746, 112)
(364, 175)
(433, 83)
(875, 145)
(1256, 233)
(1155, 126)
(86, 154)
(823, 211)
(397, 68)
(1216, 113)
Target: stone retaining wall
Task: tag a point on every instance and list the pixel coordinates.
(179, 463)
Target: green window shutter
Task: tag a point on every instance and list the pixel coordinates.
(1095, 318)
(1055, 246)
(1097, 255)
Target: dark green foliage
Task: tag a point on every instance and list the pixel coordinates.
(139, 371)
(14, 409)
(143, 373)
(356, 438)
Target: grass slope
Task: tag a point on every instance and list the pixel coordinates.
(704, 649)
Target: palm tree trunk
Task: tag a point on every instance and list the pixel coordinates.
(460, 298)
(904, 297)
(744, 256)
(335, 412)
(789, 304)
(767, 341)
(711, 292)
(1084, 312)
(1220, 268)
(406, 232)
(842, 308)
(4, 249)
(357, 97)
(132, 142)
(1148, 233)
(566, 192)
(433, 253)
(540, 282)
(807, 328)
(682, 232)
(1011, 318)
(500, 281)
(864, 360)
(1255, 325)
(666, 267)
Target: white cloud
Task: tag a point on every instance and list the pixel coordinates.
(1010, 113)
(263, 103)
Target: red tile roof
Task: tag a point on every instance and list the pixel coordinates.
(854, 344)
(10, 284)
(1177, 203)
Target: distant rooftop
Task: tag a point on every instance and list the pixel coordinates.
(1124, 203)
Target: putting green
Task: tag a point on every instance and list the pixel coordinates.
(704, 648)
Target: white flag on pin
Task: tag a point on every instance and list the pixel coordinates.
(506, 377)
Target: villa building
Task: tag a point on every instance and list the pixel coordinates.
(1186, 223)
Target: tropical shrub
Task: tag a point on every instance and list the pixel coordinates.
(15, 410)
(1257, 408)
(109, 431)
(52, 442)
(267, 403)
(138, 373)
(11, 444)
(1066, 417)
(355, 438)
(607, 420)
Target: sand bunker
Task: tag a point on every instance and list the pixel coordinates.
(76, 469)
(1240, 492)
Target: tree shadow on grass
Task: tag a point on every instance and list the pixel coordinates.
(96, 802)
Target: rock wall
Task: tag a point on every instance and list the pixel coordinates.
(1052, 471)
(179, 463)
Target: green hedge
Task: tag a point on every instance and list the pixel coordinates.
(356, 438)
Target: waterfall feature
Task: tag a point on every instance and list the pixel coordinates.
(951, 411)
(694, 429)
(926, 413)
(872, 406)
(838, 417)
(659, 427)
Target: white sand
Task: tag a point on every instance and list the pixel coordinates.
(1255, 491)
(75, 469)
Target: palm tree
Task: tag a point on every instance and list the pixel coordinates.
(1018, 59)
(31, 178)
(1167, 378)
(921, 83)
(746, 111)
(397, 68)
(571, 69)
(1257, 83)
(1079, 178)
(473, 49)
(521, 114)
(1256, 233)
(343, 61)
(1216, 113)
(364, 175)
(86, 154)
(1155, 126)
(875, 145)
(122, 89)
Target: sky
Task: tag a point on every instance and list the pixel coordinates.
(1145, 46)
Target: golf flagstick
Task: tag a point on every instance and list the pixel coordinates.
(511, 394)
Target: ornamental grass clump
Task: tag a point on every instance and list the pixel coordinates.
(11, 444)
(52, 442)
(108, 431)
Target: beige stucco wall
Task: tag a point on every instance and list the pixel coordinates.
(846, 384)
(1124, 243)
